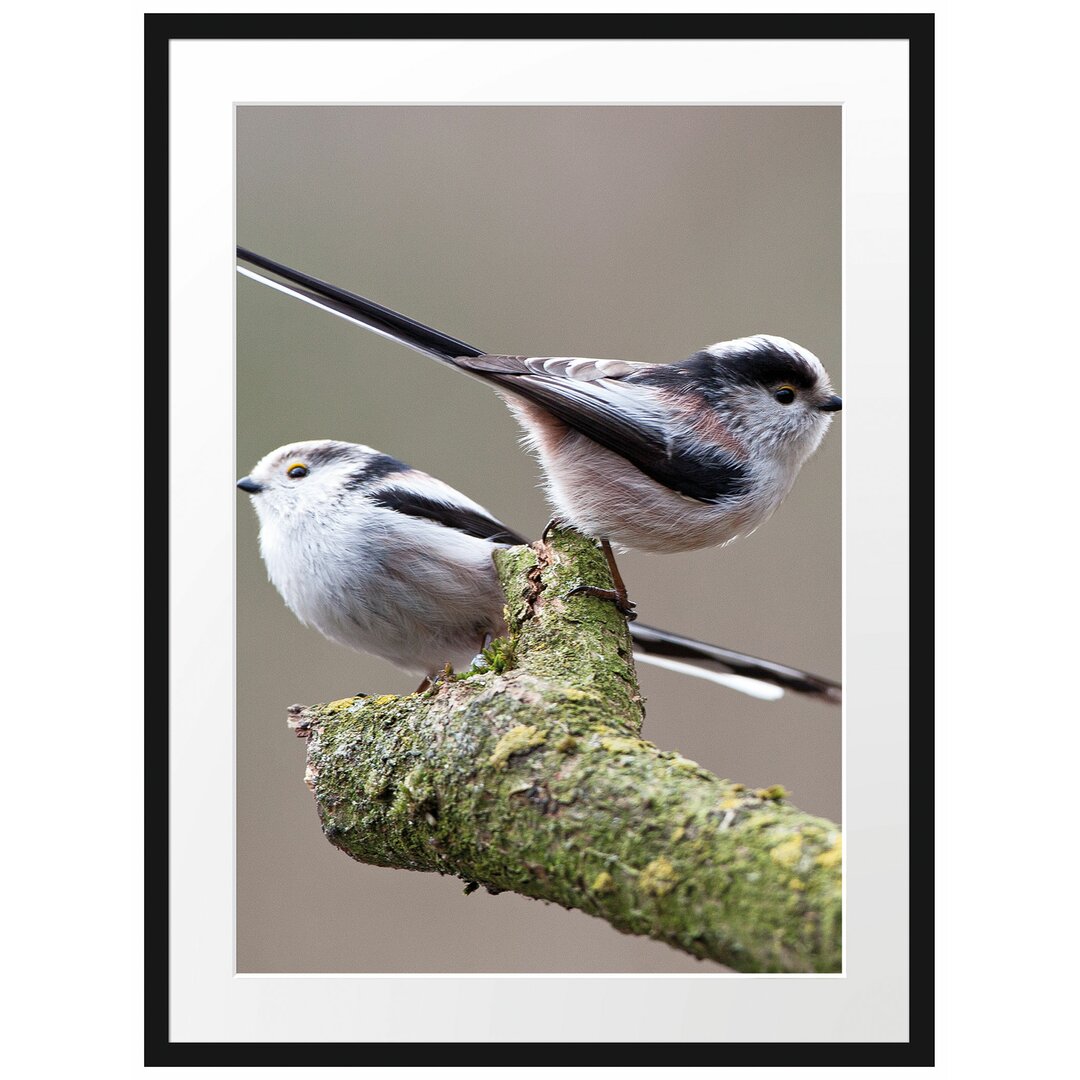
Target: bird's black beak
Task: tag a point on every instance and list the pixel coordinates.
(834, 404)
(252, 487)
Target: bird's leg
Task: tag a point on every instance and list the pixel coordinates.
(626, 606)
(618, 595)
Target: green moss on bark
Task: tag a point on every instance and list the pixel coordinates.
(534, 778)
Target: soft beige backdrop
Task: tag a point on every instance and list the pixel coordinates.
(637, 232)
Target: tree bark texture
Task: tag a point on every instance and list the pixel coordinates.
(532, 776)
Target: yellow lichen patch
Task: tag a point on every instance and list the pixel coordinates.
(602, 883)
(678, 833)
(566, 745)
(681, 762)
(341, 703)
(761, 820)
(832, 856)
(774, 793)
(618, 744)
(516, 741)
(787, 852)
(658, 878)
(796, 885)
(730, 803)
(384, 700)
(573, 694)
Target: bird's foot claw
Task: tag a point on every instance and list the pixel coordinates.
(624, 605)
(551, 526)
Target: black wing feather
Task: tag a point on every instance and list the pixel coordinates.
(705, 477)
(470, 522)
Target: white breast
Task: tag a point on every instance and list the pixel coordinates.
(413, 592)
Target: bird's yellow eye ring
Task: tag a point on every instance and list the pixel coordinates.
(784, 394)
(297, 471)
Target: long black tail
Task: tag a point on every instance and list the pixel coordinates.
(358, 309)
(651, 643)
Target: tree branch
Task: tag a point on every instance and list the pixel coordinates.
(532, 777)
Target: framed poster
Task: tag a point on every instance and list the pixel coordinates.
(518, 182)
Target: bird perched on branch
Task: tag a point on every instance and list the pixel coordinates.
(388, 560)
(657, 457)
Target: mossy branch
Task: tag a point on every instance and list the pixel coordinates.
(532, 777)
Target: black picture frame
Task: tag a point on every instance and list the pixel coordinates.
(918, 31)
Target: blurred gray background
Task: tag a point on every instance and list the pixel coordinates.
(637, 232)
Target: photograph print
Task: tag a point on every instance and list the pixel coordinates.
(539, 537)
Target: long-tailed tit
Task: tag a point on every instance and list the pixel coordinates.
(388, 560)
(658, 457)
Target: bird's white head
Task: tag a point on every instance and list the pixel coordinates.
(313, 477)
(775, 394)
